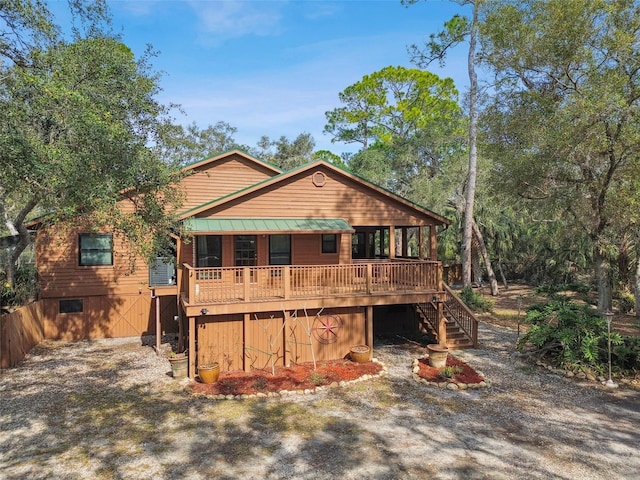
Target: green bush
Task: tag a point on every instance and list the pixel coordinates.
(475, 301)
(571, 335)
(24, 289)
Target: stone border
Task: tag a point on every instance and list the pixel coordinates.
(586, 376)
(287, 393)
(448, 384)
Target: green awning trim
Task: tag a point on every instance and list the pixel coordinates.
(267, 225)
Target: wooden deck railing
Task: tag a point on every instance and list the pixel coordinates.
(458, 311)
(247, 284)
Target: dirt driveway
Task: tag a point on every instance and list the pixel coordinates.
(109, 410)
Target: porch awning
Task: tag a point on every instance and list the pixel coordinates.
(217, 226)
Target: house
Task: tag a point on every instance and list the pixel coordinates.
(279, 266)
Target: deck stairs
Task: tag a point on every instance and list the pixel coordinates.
(461, 324)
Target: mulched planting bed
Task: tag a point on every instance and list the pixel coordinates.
(293, 378)
(467, 375)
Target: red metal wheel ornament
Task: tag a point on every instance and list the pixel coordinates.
(326, 328)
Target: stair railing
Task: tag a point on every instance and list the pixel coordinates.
(456, 310)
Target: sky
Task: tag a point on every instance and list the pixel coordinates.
(274, 68)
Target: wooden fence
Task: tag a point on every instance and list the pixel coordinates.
(20, 331)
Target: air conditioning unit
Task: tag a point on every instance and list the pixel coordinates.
(162, 272)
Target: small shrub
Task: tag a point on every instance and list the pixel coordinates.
(449, 371)
(475, 301)
(316, 378)
(260, 383)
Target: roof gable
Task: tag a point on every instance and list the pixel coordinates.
(221, 175)
(342, 189)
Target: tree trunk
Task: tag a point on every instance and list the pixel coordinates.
(23, 243)
(603, 281)
(636, 287)
(473, 154)
(487, 262)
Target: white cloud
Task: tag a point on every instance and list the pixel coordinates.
(222, 19)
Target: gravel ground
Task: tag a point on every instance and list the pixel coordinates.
(109, 409)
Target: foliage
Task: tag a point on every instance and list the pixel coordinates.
(450, 371)
(284, 153)
(562, 125)
(76, 134)
(392, 103)
(185, 145)
(626, 354)
(568, 333)
(475, 301)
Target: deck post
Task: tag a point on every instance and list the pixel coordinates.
(369, 277)
(192, 284)
(245, 334)
(158, 323)
(392, 242)
(285, 355)
(442, 326)
(368, 321)
(433, 243)
(421, 243)
(192, 347)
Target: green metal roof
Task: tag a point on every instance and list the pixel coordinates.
(266, 225)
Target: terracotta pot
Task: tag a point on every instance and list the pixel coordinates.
(179, 364)
(437, 355)
(209, 373)
(360, 353)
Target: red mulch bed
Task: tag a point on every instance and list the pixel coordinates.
(296, 377)
(468, 374)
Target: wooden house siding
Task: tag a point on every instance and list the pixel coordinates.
(338, 197)
(109, 316)
(221, 177)
(239, 345)
(62, 276)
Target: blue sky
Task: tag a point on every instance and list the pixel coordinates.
(275, 67)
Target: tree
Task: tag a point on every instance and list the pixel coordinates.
(456, 31)
(184, 145)
(74, 137)
(284, 153)
(408, 122)
(390, 104)
(563, 126)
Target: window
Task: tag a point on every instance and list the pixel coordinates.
(95, 249)
(280, 250)
(70, 306)
(329, 243)
(209, 251)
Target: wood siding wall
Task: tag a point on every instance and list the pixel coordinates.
(337, 198)
(108, 316)
(220, 178)
(62, 276)
(224, 338)
(20, 331)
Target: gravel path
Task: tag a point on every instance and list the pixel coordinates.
(108, 409)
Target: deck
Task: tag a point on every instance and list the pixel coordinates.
(229, 290)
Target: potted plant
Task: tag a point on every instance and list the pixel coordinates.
(179, 364)
(437, 355)
(360, 353)
(209, 370)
